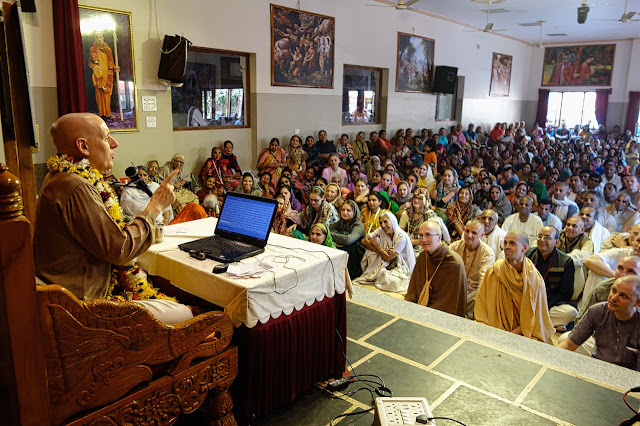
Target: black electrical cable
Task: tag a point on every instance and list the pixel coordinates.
(446, 418)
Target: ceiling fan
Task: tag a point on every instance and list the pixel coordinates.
(625, 18)
(539, 44)
(401, 5)
(489, 27)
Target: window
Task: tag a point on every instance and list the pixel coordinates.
(572, 108)
(215, 91)
(360, 93)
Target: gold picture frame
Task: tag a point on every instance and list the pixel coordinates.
(415, 68)
(109, 72)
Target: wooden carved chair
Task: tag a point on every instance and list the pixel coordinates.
(65, 361)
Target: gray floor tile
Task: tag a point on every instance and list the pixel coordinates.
(413, 341)
(403, 379)
(577, 401)
(488, 369)
(474, 408)
(355, 352)
(362, 320)
(310, 409)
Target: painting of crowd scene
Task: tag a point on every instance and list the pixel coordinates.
(303, 48)
(578, 65)
(414, 72)
(500, 74)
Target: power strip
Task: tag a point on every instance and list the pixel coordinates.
(400, 411)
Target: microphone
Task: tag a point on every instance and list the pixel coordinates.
(134, 177)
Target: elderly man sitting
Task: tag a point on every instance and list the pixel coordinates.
(623, 212)
(476, 256)
(493, 234)
(615, 323)
(524, 221)
(556, 269)
(182, 183)
(438, 279)
(512, 295)
(592, 228)
(577, 245)
(81, 240)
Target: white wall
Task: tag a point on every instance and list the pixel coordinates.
(364, 36)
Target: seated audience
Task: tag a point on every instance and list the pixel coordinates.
(208, 187)
(592, 229)
(376, 205)
(334, 169)
(524, 221)
(446, 191)
(498, 202)
(632, 188)
(493, 234)
(133, 200)
(333, 197)
(476, 256)
(271, 160)
(402, 198)
(438, 280)
(285, 217)
(347, 233)
(557, 271)
(388, 259)
(615, 325)
(564, 208)
(249, 185)
(265, 185)
(460, 211)
(296, 156)
(544, 213)
(318, 211)
(182, 182)
(537, 188)
(512, 295)
(623, 212)
(153, 167)
(590, 199)
(320, 234)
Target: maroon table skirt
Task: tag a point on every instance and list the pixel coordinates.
(284, 357)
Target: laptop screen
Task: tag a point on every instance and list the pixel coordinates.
(246, 215)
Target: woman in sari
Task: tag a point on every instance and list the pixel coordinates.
(233, 173)
(318, 211)
(265, 185)
(347, 233)
(249, 185)
(181, 183)
(498, 202)
(522, 189)
(272, 159)
(419, 212)
(360, 194)
(311, 150)
(320, 234)
(215, 167)
(446, 191)
(370, 215)
(388, 259)
(402, 198)
(285, 217)
(287, 192)
(153, 168)
(296, 156)
(374, 165)
(460, 211)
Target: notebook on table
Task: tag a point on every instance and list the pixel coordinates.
(242, 230)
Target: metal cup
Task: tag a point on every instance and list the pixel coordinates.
(159, 233)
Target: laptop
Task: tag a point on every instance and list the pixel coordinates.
(242, 230)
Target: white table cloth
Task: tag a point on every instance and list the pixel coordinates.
(303, 273)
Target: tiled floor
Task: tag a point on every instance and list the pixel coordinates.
(465, 370)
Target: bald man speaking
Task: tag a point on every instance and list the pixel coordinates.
(512, 295)
(81, 237)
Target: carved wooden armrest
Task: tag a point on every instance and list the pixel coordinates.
(97, 351)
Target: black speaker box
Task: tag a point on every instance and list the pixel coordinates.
(173, 62)
(28, 6)
(445, 80)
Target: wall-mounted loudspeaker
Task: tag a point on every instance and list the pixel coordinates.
(173, 62)
(445, 80)
(28, 6)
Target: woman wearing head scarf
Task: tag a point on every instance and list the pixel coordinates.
(402, 197)
(285, 217)
(460, 211)
(419, 212)
(389, 259)
(347, 233)
(181, 183)
(374, 165)
(447, 189)
(249, 185)
(318, 211)
(498, 202)
(320, 234)
(296, 156)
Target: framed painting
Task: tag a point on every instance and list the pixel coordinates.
(500, 74)
(414, 70)
(109, 72)
(590, 65)
(302, 51)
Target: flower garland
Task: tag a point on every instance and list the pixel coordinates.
(127, 282)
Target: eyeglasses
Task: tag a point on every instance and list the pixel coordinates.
(427, 235)
(545, 238)
(315, 200)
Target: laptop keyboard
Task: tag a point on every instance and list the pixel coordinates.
(226, 245)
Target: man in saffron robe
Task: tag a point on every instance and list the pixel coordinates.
(102, 66)
(512, 295)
